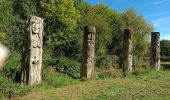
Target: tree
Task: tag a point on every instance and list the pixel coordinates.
(61, 19)
(10, 26)
(114, 19)
(104, 31)
(165, 47)
(141, 32)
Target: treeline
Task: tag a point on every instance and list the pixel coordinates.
(165, 50)
(64, 23)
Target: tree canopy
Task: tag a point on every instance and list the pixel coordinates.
(165, 47)
(64, 23)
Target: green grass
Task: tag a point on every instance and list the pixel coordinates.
(149, 85)
(61, 80)
(165, 63)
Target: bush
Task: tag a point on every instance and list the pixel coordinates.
(8, 88)
(107, 61)
(68, 66)
(65, 65)
(8, 77)
(12, 67)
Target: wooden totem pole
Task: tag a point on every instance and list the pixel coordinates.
(155, 50)
(87, 65)
(32, 51)
(127, 51)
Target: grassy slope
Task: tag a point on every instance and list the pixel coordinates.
(152, 85)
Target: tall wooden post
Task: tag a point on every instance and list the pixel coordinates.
(127, 51)
(32, 51)
(87, 65)
(155, 50)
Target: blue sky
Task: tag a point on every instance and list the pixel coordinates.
(157, 12)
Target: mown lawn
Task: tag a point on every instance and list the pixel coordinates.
(144, 86)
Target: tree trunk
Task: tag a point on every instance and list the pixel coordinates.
(155, 50)
(87, 66)
(32, 51)
(127, 51)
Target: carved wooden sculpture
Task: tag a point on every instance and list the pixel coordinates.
(88, 52)
(155, 50)
(32, 51)
(127, 51)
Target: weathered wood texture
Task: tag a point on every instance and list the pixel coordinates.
(87, 66)
(155, 50)
(127, 51)
(32, 51)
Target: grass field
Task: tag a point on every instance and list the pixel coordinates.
(151, 85)
(165, 63)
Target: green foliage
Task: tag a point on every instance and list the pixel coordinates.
(24, 8)
(12, 67)
(61, 21)
(107, 61)
(55, 79)
(68, 67)
(65, 65)
(9, 77)
(2, 37)
(140, 32)
(10, 25)
(165, 47)
(8, 88)
(103, 34)
(64, 23)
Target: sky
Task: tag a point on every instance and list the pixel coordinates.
(157, 12)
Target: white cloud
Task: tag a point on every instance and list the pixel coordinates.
(158, 13)
(155, 3)
(161, 21)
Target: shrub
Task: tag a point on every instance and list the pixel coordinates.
(68, 66)
(8, 77)
(65, 65)
(12, 67)
(107, 61)
(6, 86)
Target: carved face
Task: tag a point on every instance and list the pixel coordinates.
(90, 36)
(35, 27)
